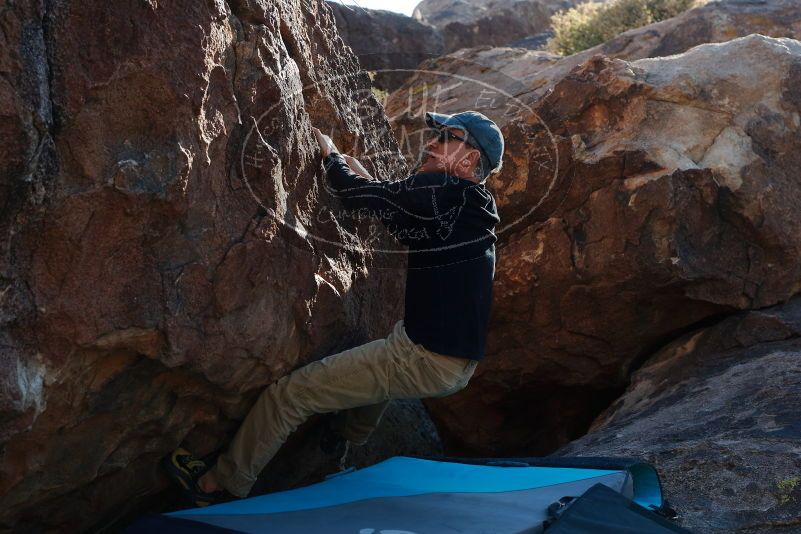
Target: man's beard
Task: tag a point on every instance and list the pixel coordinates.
(421, 160)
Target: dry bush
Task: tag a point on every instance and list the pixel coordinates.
(593, 23)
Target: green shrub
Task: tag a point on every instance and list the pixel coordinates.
(379, 94)
(786, 487)
(593, 23)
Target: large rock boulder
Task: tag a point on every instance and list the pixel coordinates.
(393, 45)
(443, 12)
(637, 200)
(389, 43)
(717, 412)
(469, 23)
(168, 245)
(716, 21)
(493, 79)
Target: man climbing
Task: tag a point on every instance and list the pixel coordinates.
(446, 216)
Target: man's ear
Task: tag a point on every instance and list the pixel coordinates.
(471, 159)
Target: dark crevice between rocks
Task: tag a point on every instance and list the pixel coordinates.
(718, 314)
(56, 113)
(549, 416)
(25, 186)
(607, 398)
(29, 180)
(242, 11)
(289, 41)
(662, 341)
(43, 165)
(239, 130)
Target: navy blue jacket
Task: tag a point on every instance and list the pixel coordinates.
(448, 224)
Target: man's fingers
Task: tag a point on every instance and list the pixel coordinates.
(326, 144)
(321, 137)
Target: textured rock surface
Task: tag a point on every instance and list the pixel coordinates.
(521, 77)
(715, 22)
(147, 296)
(673, 200)
(717, 412)
(405, 429)
(488, 22)
(395, 44)
(387, 42)
(533, 42)
(443, 12)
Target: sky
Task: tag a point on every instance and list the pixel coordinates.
(401, 6)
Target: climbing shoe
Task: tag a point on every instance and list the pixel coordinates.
(185, 470)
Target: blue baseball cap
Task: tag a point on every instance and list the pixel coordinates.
(482, 133)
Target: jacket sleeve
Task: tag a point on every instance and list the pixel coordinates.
(404, 210)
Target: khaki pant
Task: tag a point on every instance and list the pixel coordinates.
(361, 380)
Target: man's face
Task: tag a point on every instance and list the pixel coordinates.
(449, 155)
